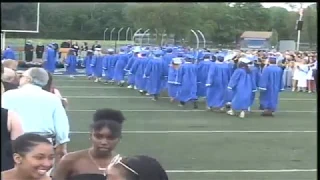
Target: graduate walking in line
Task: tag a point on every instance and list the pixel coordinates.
(173, 86)
(242, 86)
(202, 74)
(87, 62)
(121, 62)
(270, 84)
(138, 69)
(108, 65)
(217, 83)
(50, 60)
(131, 78)
(154, 73)
(187, 80)
(97, 64)
(71, 63)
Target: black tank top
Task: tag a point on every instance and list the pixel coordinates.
(6, 149)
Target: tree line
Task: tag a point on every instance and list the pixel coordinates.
(220, 22)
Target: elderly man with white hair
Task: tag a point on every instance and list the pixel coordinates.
(40, 111)
(9, 79)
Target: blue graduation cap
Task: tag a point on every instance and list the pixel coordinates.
(157, 52)
(272, 59)
(180, 54)
(189, 58)
(144, 53)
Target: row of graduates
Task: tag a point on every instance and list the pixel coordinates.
(216, 77)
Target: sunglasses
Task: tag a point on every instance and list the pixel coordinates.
(117, 160)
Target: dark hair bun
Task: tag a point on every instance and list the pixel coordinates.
(107, 114)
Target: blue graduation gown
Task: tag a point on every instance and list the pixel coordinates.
(217, 83)
(71, 64)
(255, 72)
(187, 79)
(137, 70)
(202, 75)
(121, 62)
(167, 58)
(242, 85)
(87, 62)
(50, 64)
(270, 85)
(127, 69)
(154, 73)
(8, 54)
(172, 82)
(97, 65)
(108, 66)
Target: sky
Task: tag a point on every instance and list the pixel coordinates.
(285, 5)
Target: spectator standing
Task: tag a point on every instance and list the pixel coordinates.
(28, 50)
(11, 128)
(39, 50)
(9, 79)
(41, 111)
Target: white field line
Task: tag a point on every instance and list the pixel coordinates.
(143, 97)
(242, 171)
(198, 132)
(176, 110)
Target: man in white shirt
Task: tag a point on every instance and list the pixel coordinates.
(40, 111)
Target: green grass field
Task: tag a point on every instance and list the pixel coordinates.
(200, 145)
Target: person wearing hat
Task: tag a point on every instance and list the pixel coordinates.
(187, 79)
(172, 77)
(39, 51)
(28, 50)
(71, 63)
(155, 73)
(202, 74)
(242, 85)
(131, 78)
(87, 62)
(270, 84)
(108, 65)
(96, 64)
(121, 62)
(218, 77)
(138, 69)
(256, 74)
(50, 60)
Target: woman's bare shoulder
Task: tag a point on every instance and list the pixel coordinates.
(74, 156)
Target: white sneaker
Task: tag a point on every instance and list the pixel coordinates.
(242, 114)
(249, 109)
(135, 87)
(129, 87)
(230, 112)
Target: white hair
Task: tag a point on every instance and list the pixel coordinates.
(8, 75)
(39, 76)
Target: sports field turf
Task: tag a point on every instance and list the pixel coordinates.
(200, 145)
